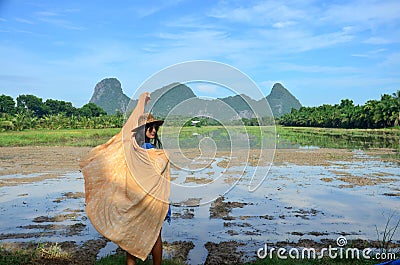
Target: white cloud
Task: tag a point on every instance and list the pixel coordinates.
(206, 88)
(379, 40)
(283, 24)
(47, 14)
(368, 13)
(262, 13)
(291, 41)
(370, 54)
(392, 60)
(154, 7)
(253, 36)
(61, 23)
(26, 21)
(58, 19)
(190, 21)
(318, 68)
(268, 84)
(308, 25)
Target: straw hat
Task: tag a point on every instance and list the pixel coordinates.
(147, 119)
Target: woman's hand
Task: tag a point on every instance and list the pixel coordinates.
(145, 97)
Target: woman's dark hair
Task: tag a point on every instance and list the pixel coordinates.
(141, 138)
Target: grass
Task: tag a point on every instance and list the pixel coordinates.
(44, 253)
(120, 259)
(387, 234)
(16, 257)
(76, 137)
(334, 138)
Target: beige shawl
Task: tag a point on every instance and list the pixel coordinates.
(127, 189)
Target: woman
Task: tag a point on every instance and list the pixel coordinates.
(146, 137)
(127, 187)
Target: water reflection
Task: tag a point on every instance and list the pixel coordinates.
(288, 138)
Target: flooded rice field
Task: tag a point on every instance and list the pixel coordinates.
(310, 197)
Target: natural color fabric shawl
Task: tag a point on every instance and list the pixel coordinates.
(127, 189)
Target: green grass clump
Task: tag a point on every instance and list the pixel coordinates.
(70, 137)
(120, 259)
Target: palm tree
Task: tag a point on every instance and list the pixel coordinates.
(396, 97)
(19, 121)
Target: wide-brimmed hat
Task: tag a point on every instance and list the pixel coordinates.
(147, 119)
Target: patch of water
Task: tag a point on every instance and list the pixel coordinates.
(20, 176)
(295, 202)
(39, 211)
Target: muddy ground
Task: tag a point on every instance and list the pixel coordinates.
(49, 162)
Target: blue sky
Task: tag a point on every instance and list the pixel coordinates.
(322, 51)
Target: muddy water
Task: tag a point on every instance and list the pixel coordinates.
(348, 193)
(295, 202)
(50, 210)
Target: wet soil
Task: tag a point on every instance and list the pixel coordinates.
(221, 209)
(28, 160)
(223, 253)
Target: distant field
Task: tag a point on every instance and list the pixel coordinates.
(76, 137)
(286, 136)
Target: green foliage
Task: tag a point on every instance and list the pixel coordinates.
(373, 114)
(15, 257)
(202, 121)
(387, 234)
(23, 121)
(91, 110)
(120, 258)
(7, 105)
(250, 122)
(31, 103)
(32, 113)
(55, 107)
(62, 137)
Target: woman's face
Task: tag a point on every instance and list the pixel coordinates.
(151, 132)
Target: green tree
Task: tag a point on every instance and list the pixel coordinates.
(373, 114)
(32, 103)
(369, 108)
(91, 110)
(7, 105)
(55, 107)
(396, 97)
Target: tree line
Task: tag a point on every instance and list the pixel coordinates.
(381, 113)
(31, 112)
